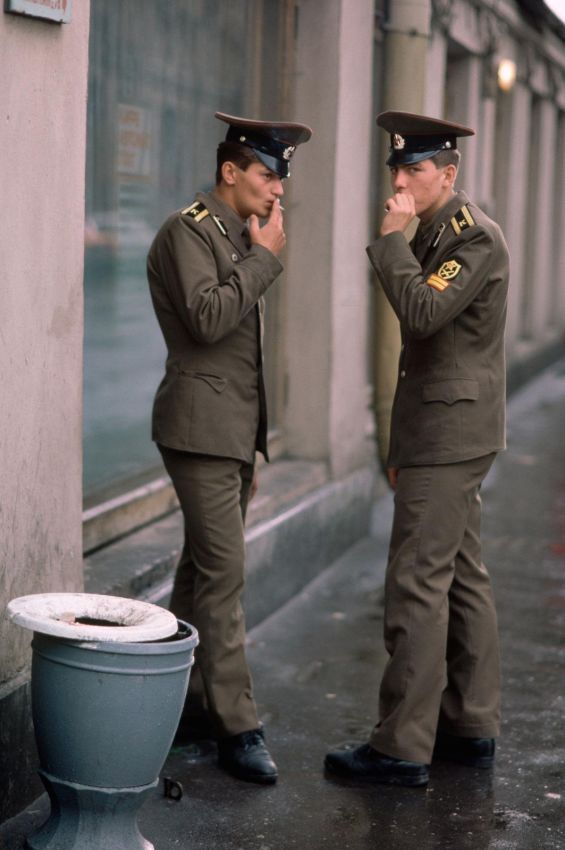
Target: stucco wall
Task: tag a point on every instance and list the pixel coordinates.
(327, 297)
(43, 68)
(350, 269)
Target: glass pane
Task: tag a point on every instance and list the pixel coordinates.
(158, 72)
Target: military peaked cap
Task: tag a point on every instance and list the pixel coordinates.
(273, 142)
(417, 137)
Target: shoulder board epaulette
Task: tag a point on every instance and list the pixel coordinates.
(462, 219)
(197, 211)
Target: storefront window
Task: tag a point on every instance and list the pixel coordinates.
(158, 72)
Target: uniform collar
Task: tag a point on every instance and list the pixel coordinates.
(443, 215)
(235, 226)
(427, 236)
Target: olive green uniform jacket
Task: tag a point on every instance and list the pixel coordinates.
(207, 283)
(448, 289)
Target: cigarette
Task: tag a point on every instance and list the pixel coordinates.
(387, 208)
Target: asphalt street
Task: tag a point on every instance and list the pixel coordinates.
(317, 664)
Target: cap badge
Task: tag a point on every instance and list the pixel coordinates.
(242, 138)
(287, 153)
(398, 142)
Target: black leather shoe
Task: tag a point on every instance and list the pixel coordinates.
(246, 757)
(367, 765)
(473, 752)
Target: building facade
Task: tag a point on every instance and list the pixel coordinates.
(105, 130)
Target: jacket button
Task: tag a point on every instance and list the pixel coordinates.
(234, 257)
(403, 374)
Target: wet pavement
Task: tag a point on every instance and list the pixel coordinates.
(317, 664)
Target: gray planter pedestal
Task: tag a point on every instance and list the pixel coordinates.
(91, 818)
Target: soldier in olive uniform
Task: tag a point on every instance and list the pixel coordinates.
(209, 268)
(440, 692)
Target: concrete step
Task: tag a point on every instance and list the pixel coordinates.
(299, 522)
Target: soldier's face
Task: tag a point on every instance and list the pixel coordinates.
(430, 186)
(255, 190)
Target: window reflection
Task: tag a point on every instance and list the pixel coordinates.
(158, 71)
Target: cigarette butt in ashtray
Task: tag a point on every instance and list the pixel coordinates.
(68, 617)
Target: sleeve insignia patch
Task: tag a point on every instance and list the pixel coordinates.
(449, 270)
(446, 272)
(437, 282)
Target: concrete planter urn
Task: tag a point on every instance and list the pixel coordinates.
(105, 711)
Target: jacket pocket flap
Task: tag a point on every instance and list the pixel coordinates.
(451, 390)
(215, 381)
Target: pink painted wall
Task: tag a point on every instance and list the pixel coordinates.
(43, 86)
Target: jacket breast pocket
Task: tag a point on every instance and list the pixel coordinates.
(451, 390)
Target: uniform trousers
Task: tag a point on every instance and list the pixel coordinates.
(213, 493)
(440, 624)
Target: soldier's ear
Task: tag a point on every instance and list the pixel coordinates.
(449, 174)
(229, 172)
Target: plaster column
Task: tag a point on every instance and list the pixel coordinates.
(43, 67)
(404, 88)
(541, 277)
(327, 296)
(435, 75)
(486, 144)
(464, 106)
(558, 258)
(406, 66)
(511, 192)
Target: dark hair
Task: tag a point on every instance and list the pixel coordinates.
(443, 158)
(240, 155)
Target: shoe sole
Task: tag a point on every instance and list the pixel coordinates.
(257, 778)
(481, 762)
(394, 779)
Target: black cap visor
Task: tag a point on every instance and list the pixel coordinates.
(410, 157)
(279, 166)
